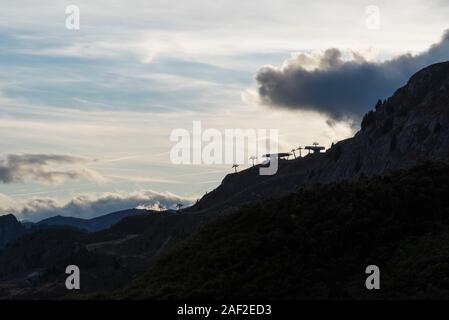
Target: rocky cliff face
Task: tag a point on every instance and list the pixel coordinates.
(10, 230)
(410, 127)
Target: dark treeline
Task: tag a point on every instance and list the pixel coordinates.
(315, 243)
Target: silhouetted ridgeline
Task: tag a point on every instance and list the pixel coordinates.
(315, 243)
(90, 225)
(410, 127)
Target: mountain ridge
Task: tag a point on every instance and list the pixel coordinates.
(90, 225)
(406, 129)
(11, 229)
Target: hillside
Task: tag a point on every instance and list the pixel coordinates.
(315, 243)
(402, 131)
(34, 266)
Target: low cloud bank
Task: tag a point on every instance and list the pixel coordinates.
(89, 205)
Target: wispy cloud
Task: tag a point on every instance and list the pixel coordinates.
(43, 168)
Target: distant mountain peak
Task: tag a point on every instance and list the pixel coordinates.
(91, 225)
(8, 216)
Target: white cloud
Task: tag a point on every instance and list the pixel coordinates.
(89, 205)
(45, 169)
(204, 28)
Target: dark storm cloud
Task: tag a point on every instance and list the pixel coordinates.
(340, 88)
(42, 168)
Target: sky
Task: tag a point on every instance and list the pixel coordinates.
(86, 115)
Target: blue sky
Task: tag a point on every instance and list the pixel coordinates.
(111, 92)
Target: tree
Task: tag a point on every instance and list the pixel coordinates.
(368, 119)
